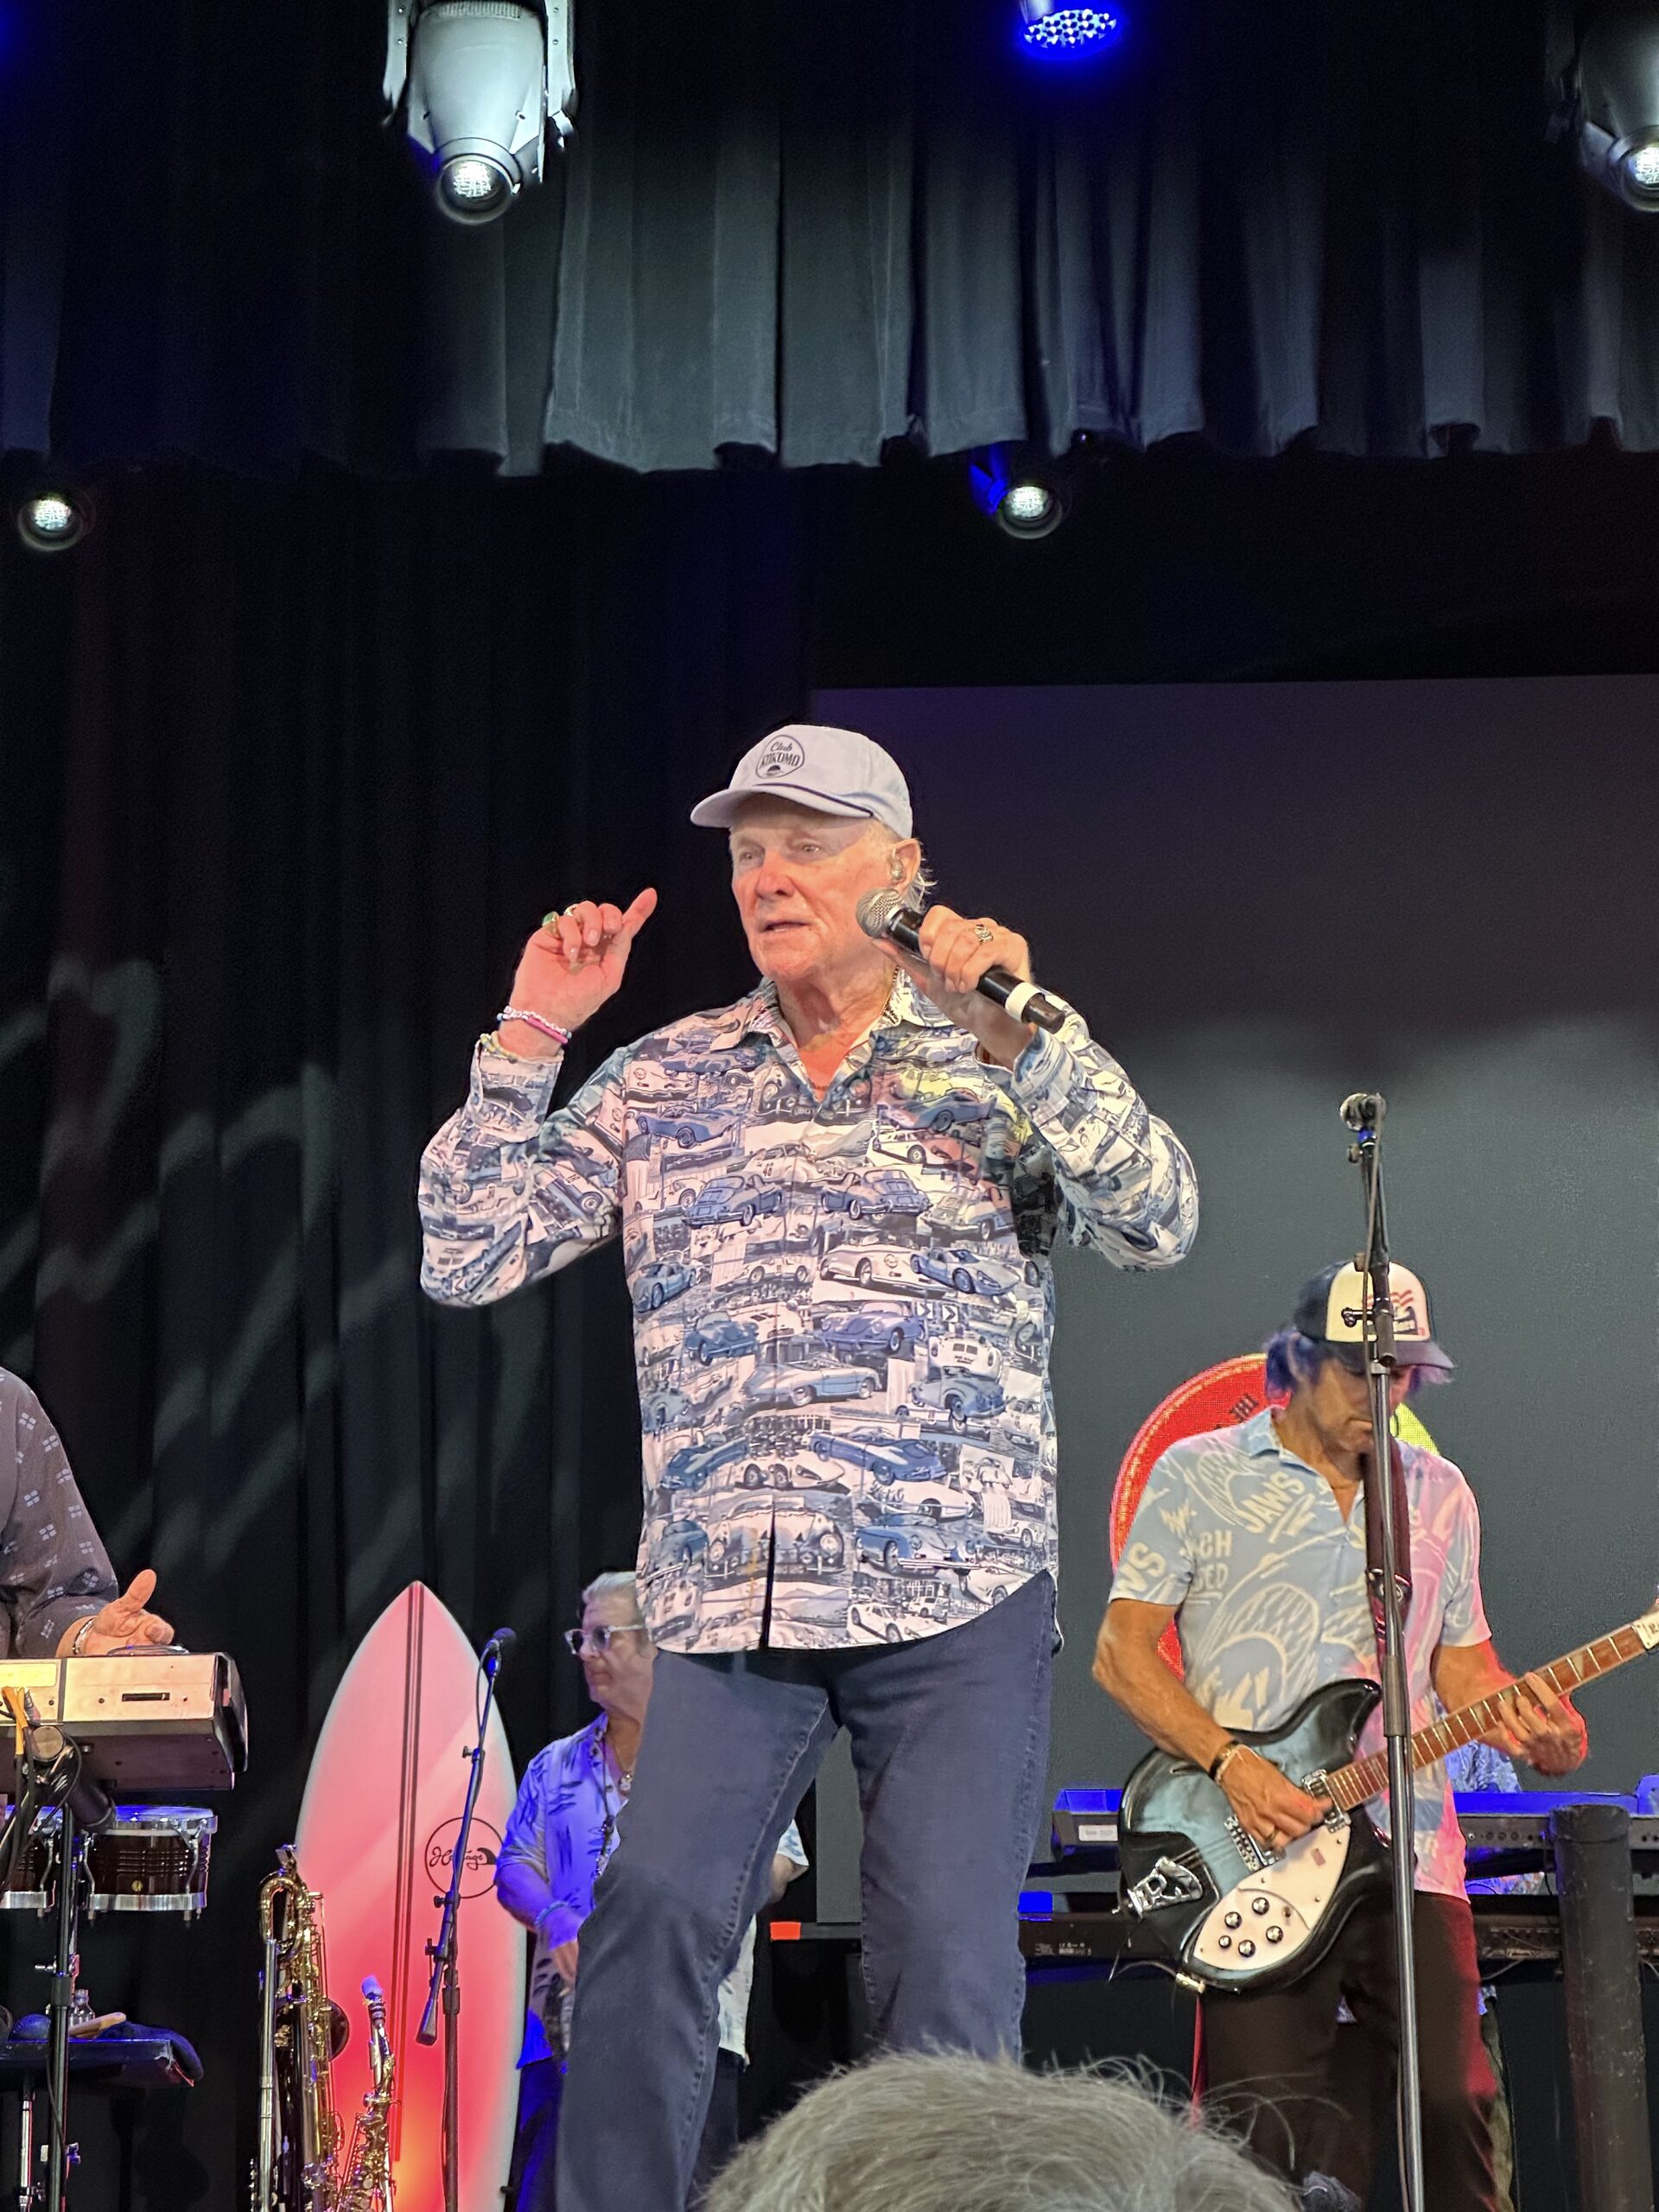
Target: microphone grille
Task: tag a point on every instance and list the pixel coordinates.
(876, 909)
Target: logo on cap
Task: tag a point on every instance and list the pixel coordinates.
(782, 757)
(1409, 1318)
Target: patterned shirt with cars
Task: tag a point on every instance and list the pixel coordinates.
(842, 1306)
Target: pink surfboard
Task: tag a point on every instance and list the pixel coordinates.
(376, 1841)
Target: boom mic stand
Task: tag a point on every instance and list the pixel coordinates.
(1363, 1114)
(444, 1951)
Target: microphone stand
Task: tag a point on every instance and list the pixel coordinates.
(444, 1952)
(1363, 1115)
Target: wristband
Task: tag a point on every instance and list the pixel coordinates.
(561, 1037)
(78, 1642)
(1219, 1763)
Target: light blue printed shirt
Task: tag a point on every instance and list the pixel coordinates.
(1250, 1547)
(843, 1307)
(565, 1822)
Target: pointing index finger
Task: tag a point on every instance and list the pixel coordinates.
(639, 914)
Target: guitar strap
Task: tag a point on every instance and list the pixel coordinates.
(1374, 1540)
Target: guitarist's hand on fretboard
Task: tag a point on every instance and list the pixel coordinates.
(1269, 1806)
(1542, 1727)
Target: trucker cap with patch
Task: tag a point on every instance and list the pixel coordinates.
(1332, 1307)
(831, 771)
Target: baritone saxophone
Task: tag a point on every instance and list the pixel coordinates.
(298, 2167)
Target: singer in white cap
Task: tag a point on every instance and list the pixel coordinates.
(838, 1200)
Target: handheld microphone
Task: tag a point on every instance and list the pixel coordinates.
(1363, 1109)
(883, 913)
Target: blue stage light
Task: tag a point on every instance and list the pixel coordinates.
(1050, 27)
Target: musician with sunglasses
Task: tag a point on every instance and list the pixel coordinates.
(567, 1820)
(1249, 1541)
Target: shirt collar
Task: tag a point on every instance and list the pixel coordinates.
(1261, 1438)
(760, 1014)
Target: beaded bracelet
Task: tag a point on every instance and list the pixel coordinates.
(561, 1037)
(1225, 1758)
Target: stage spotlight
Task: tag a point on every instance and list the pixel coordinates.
(1049, 27)
(53, 517)
(1027, 502)
(483, 79)
(1610, 99)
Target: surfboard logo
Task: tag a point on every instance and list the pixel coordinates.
(483, 1849)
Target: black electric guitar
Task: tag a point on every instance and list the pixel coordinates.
(1234, 1915)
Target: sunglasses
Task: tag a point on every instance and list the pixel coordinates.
(598, 1639)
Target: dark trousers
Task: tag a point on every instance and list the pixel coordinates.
(540, 2084)
(1276, 2075)
(950, 1741)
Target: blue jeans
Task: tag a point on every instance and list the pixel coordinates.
(950, 1743)
(534, 2147)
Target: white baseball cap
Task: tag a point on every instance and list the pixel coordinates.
(1333, 1305)
(831, 771)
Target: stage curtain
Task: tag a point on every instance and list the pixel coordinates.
(805, 232)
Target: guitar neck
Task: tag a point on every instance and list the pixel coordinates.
(1368, 1777)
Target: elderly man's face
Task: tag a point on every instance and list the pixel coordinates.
(798, 878)
(620, 1676)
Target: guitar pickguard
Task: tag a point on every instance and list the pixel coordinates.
(1262, 1922)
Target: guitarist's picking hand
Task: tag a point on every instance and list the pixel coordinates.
(1269, 1806)
(1540, 1726)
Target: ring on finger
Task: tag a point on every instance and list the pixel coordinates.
(983, 932)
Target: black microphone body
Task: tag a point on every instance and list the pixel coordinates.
(497, 1648)
(881, 914)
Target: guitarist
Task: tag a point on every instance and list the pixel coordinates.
(1249, 1541)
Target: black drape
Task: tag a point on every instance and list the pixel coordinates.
(812, 231)
(291, 770)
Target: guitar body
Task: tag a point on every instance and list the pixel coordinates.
(1231, 1913)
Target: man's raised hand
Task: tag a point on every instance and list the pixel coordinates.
(125, 1620)
(574, 963)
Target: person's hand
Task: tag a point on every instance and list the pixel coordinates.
(1540, 1726)
(574, 963)
(564, 1956)
(123, 1621)
(1268, 1804)
(957, 952)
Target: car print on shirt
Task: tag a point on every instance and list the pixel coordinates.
(918, 1147)
(959, 1399)
(903, 1550)
(683, 1126)
(658, 1282)
(974, 1274)
(798, 1372)
(812, 1302)
(730, 1198)
(868, 1328)
(868, 1196)
(885, 1266)
(720, 1336)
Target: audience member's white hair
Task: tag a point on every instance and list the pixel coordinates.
(959, 2135)
(620, 1583)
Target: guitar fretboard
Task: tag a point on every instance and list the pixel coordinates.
(1368, 1777)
